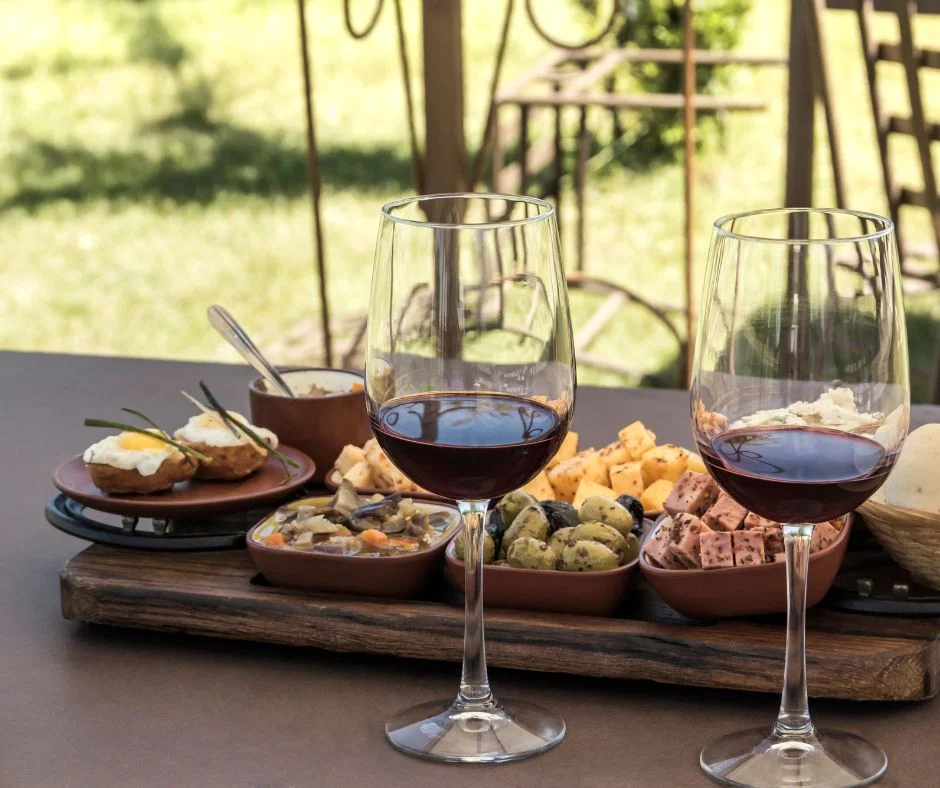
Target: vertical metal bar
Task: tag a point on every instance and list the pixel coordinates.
(497, 154)
(688, 118)
(313, 181)
(906, 10)
(814, 18)
(870, 49)
(523, 147)
(559, 169)
(580, 180)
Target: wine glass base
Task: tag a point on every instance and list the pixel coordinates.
(752, 759)
(493, 733)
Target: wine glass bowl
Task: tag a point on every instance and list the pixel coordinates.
(470, 387)
(800, 404)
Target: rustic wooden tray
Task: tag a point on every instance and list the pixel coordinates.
(850, 655)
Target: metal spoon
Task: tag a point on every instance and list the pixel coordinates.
(223, 322)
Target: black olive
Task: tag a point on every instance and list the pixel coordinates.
(559, 515)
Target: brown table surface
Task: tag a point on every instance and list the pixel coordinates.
(87, 706)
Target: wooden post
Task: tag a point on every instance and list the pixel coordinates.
(446, 147)
(800, 111)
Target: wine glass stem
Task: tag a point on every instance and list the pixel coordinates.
(474, 684)
(794, 719)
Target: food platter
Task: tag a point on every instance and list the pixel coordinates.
(196, 497)
(222, 595)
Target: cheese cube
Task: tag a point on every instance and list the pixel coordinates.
(748, 547)
(566, 476)
(694, 492)
(540, 488)
(663, 462)
(636, 439)
(568, 448)
(694, 463)
(824, 534)
(716, 550)
(587, 488)
(627, 479)
(656, 548)
(755, 521)
(349, 456)
(725, 514)
(596, 470)
(773, 541)
(684, 544)
(655, 495)
(614, 454)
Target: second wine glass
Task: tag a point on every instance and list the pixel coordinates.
(470, 384)
(800, 405)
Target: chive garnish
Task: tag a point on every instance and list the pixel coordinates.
(236, 425)
(161, 436)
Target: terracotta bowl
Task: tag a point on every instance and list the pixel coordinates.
(746, 590)
(318, 426)
(399, 576)
(549, 590)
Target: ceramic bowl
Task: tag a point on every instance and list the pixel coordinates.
(550, 590)
(318, 426)
(745, 590)
(399, 576)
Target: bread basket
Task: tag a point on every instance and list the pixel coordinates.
(911, 537)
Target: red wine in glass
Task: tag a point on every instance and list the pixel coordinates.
(796, 474)
(469, 445)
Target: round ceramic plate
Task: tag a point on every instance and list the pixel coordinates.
(195, 497)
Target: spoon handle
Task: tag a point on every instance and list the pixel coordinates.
(223, 322)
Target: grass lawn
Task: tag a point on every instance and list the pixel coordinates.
(153, 163)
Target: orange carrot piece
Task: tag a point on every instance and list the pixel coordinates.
(403, 542)
(274, 540)
(373, 537)
(356, 387)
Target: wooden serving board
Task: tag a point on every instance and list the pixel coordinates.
(850, 655)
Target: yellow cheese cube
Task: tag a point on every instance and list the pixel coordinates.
(568, 448)
(566, 476)
(627, 479)
(614, 454)
(694, 463)
(595, 469)
(349, 456)
(664, 462)
(636, 439)
(655, 495)
(540, 488)
(587, 488)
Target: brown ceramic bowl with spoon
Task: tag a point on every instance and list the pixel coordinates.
(318, 423)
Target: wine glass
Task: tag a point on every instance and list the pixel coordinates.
(470, 384)
(800, 404)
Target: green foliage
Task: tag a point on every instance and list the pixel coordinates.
(656, 135)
